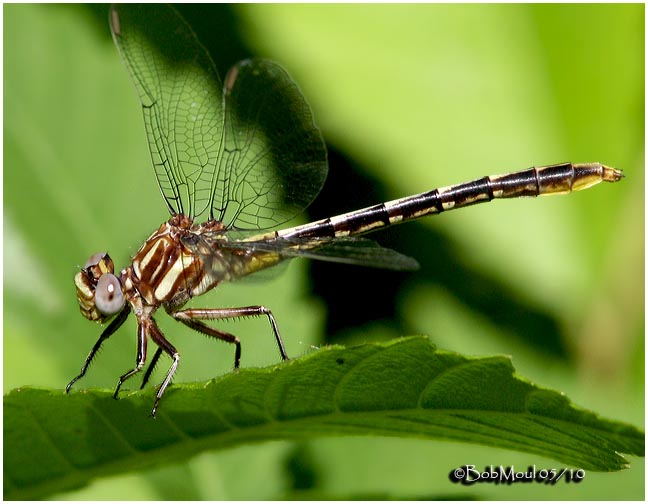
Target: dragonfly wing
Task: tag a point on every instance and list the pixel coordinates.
(181, 97)
(274, 161)
(349, 250)
(247, 154)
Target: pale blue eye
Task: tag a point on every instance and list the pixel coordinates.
(109, 298)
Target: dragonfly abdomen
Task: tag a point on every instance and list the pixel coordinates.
(555, 179)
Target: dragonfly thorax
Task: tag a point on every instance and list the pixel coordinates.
(175, 264)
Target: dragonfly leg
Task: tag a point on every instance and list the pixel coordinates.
(203, 328)
(143, 329)
(109, 331)
(164, 345)
(151, 367)
(193, 315)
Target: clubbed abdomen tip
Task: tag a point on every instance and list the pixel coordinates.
(611, 174)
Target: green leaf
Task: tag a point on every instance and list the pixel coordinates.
(403, 388)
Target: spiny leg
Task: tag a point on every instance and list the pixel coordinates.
(192, 315)
(203, 328)
(163, 344)
(151, 367)
(109, 331)
(143, 329)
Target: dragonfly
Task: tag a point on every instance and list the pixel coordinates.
(234, 160)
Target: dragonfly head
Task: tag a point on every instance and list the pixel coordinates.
(99, 291)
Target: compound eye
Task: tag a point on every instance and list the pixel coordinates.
(109, 298)
(94, 259)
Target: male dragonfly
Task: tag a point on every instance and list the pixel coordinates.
(234, 161)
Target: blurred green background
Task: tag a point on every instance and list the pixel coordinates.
(408, 97)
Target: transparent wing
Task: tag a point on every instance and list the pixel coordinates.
(274, 161)
(348, 250)
(181, 97)
(219, 152)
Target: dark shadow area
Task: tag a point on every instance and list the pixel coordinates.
(216, 26)
(99, 13)
(218, 29)
(301, 467)
(356, 296)
(482, 292)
